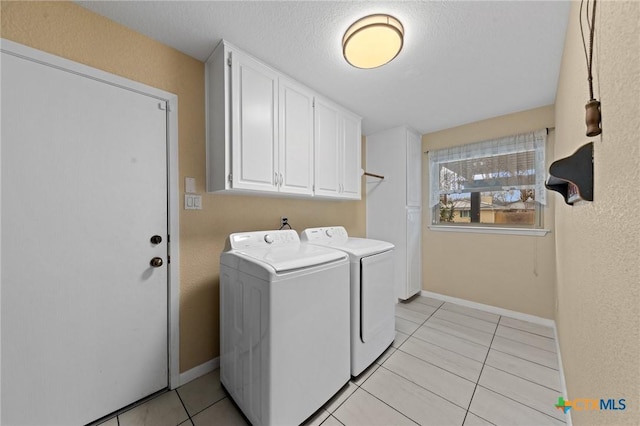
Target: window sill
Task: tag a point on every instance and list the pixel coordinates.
(491, 230)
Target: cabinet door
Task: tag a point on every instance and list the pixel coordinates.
(296, 138)
(414, 169)
(351, 160)
(414, 252)
(327, 149)
(254, 95)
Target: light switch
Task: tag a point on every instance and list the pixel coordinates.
(189, 185)
(192, 202)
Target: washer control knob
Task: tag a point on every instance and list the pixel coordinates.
(329, 232)
(268, 239)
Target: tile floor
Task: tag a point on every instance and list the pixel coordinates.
(449, 365)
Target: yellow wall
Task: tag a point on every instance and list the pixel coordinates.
(508, 271)
(598, 243)
(69, 31)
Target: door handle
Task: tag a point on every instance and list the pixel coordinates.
(156, 262)
(156, 239)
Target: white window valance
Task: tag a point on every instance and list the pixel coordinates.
(512, 162)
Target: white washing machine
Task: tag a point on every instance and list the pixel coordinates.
(284, 325)
(373, 296)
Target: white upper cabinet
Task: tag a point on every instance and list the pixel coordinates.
(296, 138)
(337, 151)
(351, 151)
(327, 145)
(254, 124)
(260, 133)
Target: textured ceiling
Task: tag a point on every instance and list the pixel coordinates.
(461, 61)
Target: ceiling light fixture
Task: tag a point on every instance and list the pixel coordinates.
(373, 41)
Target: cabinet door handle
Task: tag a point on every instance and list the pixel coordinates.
(275, 178)
(281, 180)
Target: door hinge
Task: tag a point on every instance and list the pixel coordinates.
(168, 259)
(168, 239)
(229, 61)
(230, 177)
(313, 103)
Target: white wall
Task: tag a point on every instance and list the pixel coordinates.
(598, 243)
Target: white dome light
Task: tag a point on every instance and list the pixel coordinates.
(373, 41)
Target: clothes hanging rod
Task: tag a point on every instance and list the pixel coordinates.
(374, 175)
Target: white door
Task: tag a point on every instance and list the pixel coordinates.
(254, 96)
(414, 253)
(84, 188)
(414, 169)
(296, 138)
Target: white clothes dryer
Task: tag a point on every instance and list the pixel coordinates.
(373, 296)
(284, 325)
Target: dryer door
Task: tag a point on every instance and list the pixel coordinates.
(377, 296)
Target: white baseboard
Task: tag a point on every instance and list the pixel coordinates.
(199, 370)
(493, 309)
(512, 314)
(563, 383)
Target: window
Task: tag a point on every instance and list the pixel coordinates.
(495, 183)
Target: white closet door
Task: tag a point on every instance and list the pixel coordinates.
(84, 188)
(414, 169)
(414, 253)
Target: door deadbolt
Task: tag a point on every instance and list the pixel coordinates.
(156, 239)
(156, 262)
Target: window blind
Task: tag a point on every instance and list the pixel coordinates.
(512, 162)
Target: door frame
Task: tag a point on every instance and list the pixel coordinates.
(173, 188)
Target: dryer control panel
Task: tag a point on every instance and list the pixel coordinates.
(326, 234)
(257, 239)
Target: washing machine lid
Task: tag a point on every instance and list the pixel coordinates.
(337, 237)
(280, 249)
(357, 247)
(362, 247)
(290, 257)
